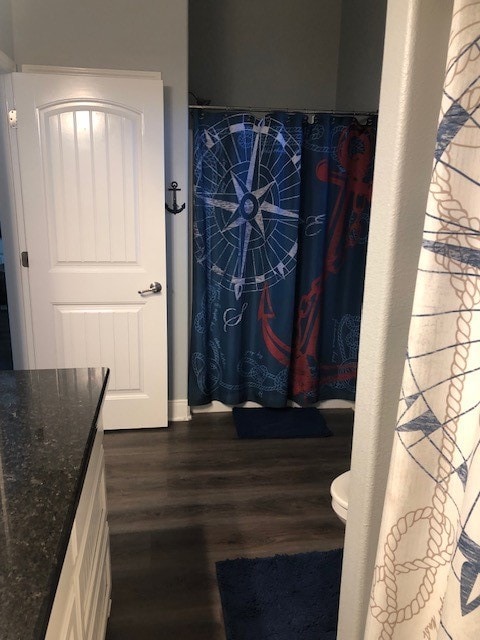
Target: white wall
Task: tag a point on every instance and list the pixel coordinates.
(360, 58)
(412, 78)
(6, 29)
(122, 34)
(268, 53)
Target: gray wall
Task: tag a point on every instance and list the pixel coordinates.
(361, 51)
(148, 35)
(6, 29)
(268, 53)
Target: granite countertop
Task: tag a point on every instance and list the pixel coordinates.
(47, 428)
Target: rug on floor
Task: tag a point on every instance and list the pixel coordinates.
(284, 597)
(289, 422)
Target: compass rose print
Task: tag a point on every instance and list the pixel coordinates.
(249, 192)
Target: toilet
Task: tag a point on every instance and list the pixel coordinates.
(339, 492)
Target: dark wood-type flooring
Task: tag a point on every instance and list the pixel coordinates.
(181, 498)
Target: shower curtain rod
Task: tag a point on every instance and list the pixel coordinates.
(271, 109)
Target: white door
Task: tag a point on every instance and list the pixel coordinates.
(92, 173)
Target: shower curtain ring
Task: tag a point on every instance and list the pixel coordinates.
(174, 208)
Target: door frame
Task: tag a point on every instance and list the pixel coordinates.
(13, 235)
(11, 210)
(9, 231)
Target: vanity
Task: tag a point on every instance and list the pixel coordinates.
(55, 579)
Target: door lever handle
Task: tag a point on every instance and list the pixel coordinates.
(155, 287)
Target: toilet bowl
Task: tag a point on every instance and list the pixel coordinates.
(339, 492)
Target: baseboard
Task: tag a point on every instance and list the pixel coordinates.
(178, 410)
(336, 404)
(217, 407)
(127, 427)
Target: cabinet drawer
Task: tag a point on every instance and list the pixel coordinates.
(90, 555)
(95, 465)
(64, 612)
(100, 601)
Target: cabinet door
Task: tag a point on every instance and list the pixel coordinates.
(82, 600)
(65, 623)
(92, 178)
(72, 627)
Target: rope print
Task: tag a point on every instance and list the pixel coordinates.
(437, 521)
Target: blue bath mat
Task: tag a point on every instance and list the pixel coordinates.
(287, 597)
(280, 423)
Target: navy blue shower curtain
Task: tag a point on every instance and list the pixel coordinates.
(281, 212)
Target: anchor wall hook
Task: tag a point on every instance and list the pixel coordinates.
(174, 208)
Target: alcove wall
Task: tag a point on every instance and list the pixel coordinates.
(305, 54)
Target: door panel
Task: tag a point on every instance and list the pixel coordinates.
(91, 336)
(91, 161)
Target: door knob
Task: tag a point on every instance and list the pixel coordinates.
(155, 287)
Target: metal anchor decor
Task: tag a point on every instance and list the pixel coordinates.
(175, 208)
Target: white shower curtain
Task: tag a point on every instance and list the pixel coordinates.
(427, 575)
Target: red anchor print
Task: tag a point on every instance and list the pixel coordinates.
(344, 230)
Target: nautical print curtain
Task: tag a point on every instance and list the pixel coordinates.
(427, 576)
(281, 212)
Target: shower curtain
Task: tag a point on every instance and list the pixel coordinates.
(427, 575)
(281, 213)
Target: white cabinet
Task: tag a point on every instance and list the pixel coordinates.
(82, 600)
